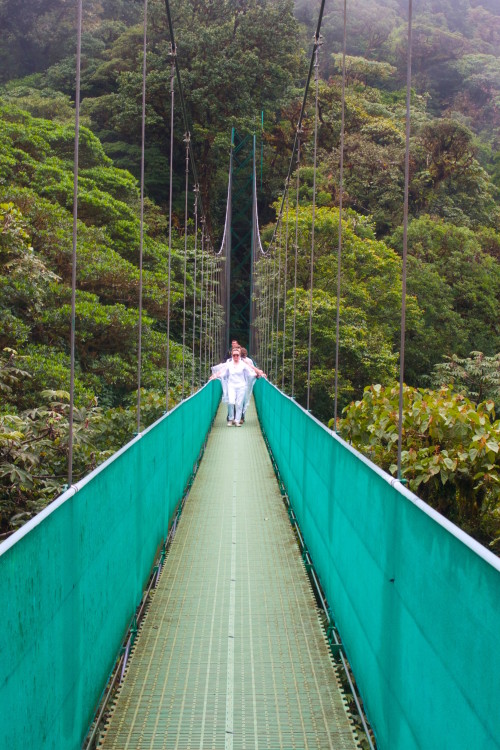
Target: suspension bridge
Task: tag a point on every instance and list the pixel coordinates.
(259, 588)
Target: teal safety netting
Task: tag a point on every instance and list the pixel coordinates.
(71, 579)
(416, 601)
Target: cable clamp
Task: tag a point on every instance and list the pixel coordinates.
(336, 649)
(187, 137)
(173, 50)
(395, 481)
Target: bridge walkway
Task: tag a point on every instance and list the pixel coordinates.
(231, 653)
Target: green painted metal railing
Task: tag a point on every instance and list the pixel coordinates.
(416, 601)
(71, 579)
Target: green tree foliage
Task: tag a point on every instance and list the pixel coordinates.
(455, 56)
(457, 285)
(451, 450)
(476, 376)
(35, 309)
(236, 60)
(33, 446)
(34, 441)
(369, 314)
(40, 34)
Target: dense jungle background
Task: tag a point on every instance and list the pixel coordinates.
(239, 59)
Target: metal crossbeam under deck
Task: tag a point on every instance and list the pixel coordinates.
(231, 653)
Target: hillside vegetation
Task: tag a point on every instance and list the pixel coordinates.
(239, 60)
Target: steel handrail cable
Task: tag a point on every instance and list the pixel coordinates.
(187, 140)
(141, 234)
(405, 241)
(73, 255)
(311, 281)
(299, 123)
(341, 195)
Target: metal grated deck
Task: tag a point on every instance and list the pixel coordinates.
(231, 653)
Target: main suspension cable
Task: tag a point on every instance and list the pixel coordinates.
(183, 102)
(302, 110)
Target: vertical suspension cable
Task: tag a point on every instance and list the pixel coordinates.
(296, 257)
(285, 285)
(251, 341)
(265, 352)
(316, 77)
(341, 195)
(216, 309)
(193, 371)
(211, 355)
(141, 237)
(207, 304)
(169, 289)
(187, 139)
(271, 332)
(278, 300)
(201, 292)
(271, 265)
(208, 346)
(220, 312)
(73, 257)
(405, 242)
(268, 312)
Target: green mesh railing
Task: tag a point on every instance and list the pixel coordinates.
(71, 579)
(416, 601)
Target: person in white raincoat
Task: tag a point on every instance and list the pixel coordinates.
(250, 381)
(236, 373)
